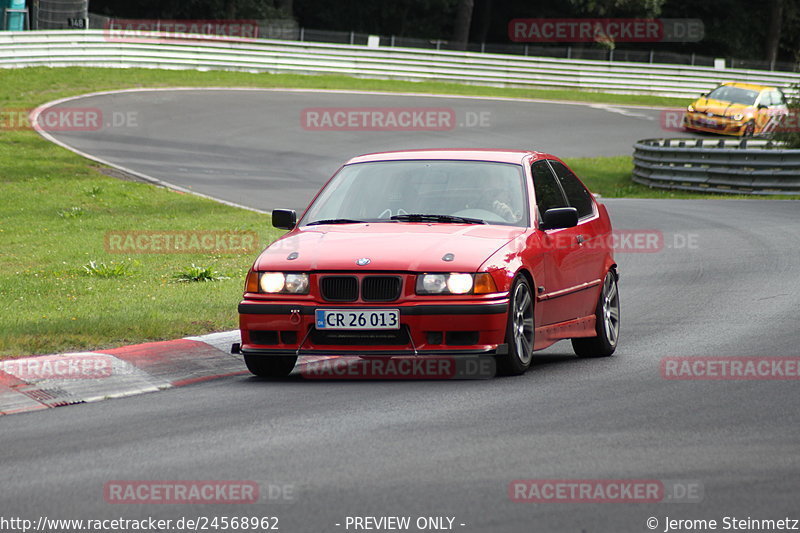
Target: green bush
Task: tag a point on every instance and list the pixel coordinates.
(789, 132)
(107, 270)
(199, 273)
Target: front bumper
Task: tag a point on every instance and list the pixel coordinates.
(463, 328)
(716, 124)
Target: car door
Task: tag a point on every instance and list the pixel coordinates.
(593, 236)
(561, 250)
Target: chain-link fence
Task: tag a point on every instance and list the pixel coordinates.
(539, 50)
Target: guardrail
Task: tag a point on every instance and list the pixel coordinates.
(747, 166)
(97, 48)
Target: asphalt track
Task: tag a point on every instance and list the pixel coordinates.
(724, 284)
(252, 147)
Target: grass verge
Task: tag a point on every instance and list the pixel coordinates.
(61, 289)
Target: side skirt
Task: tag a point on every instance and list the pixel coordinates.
(551, 333)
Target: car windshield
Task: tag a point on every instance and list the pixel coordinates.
(734, 95)
(472, 192)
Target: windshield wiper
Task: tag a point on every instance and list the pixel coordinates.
(336, 221)
(419, 217)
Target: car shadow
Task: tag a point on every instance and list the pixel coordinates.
(343, 370)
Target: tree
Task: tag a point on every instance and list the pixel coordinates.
(774, 33)
(230, 9)
(789, 132)
(606, 8)
(463, 22)
(287, 6)
(484, 14)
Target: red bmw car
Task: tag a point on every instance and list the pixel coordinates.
(436, 252)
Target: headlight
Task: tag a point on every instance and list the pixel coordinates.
(738, 116)
(279, 282)
(432, 284)
(272, 282)
(690, 109)
(456, 283)
(296, 283)
(459, 283)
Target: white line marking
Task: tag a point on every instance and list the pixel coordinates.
(621, 111)
(34, 116)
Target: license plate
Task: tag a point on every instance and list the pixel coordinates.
(708, 121)
(357, 319)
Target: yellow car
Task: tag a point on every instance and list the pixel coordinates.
(743, 109)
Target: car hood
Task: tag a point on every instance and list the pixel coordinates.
(719, 107)
(400, 246)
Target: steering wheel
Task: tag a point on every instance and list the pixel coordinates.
(387, 213)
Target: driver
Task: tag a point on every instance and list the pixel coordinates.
(502, 205)
(499, 200)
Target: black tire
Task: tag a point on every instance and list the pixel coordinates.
(519, 331)
(607, 320)
(270, 366)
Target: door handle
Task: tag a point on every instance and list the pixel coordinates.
(580, 239)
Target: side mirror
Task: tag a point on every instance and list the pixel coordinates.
(560, 217)
(284, 218)
(762, 106)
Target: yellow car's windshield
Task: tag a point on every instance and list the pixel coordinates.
(734, 95)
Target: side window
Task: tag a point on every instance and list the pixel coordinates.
(577, 195)
(766, 98)
(777, 98)
(548, 193)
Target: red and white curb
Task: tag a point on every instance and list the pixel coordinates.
(34, 383)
